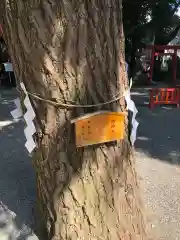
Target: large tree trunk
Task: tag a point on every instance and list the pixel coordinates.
(73, 51)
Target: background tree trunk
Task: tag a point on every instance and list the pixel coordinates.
(74, 51)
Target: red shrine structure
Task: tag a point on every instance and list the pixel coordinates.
(163, 50)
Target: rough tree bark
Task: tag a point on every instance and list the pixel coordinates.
(74, 51)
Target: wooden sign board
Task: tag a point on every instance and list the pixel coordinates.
(99, 127)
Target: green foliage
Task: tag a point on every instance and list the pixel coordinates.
(143, 18)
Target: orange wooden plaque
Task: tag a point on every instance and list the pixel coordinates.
(99, 127)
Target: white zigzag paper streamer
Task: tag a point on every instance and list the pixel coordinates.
(23, 87)
(17, 112)
(30, 145)
(133, 136)
(131, 107)
(8, 67)
(30, 130)
(29, 116)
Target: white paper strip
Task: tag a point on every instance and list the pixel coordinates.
(17, 103)
(27, 102)
(127, 96)
(23, 87)
(17, 112)
(130, 104)
(131, 107)
(130, 84)
(29, 131)
(8, 67)
(30, 145)
(133, 136)
(29, 116)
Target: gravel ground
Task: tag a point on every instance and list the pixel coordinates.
(17, 180)
(157, 154)
(158, 158)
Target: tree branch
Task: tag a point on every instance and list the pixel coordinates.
(176, 7)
